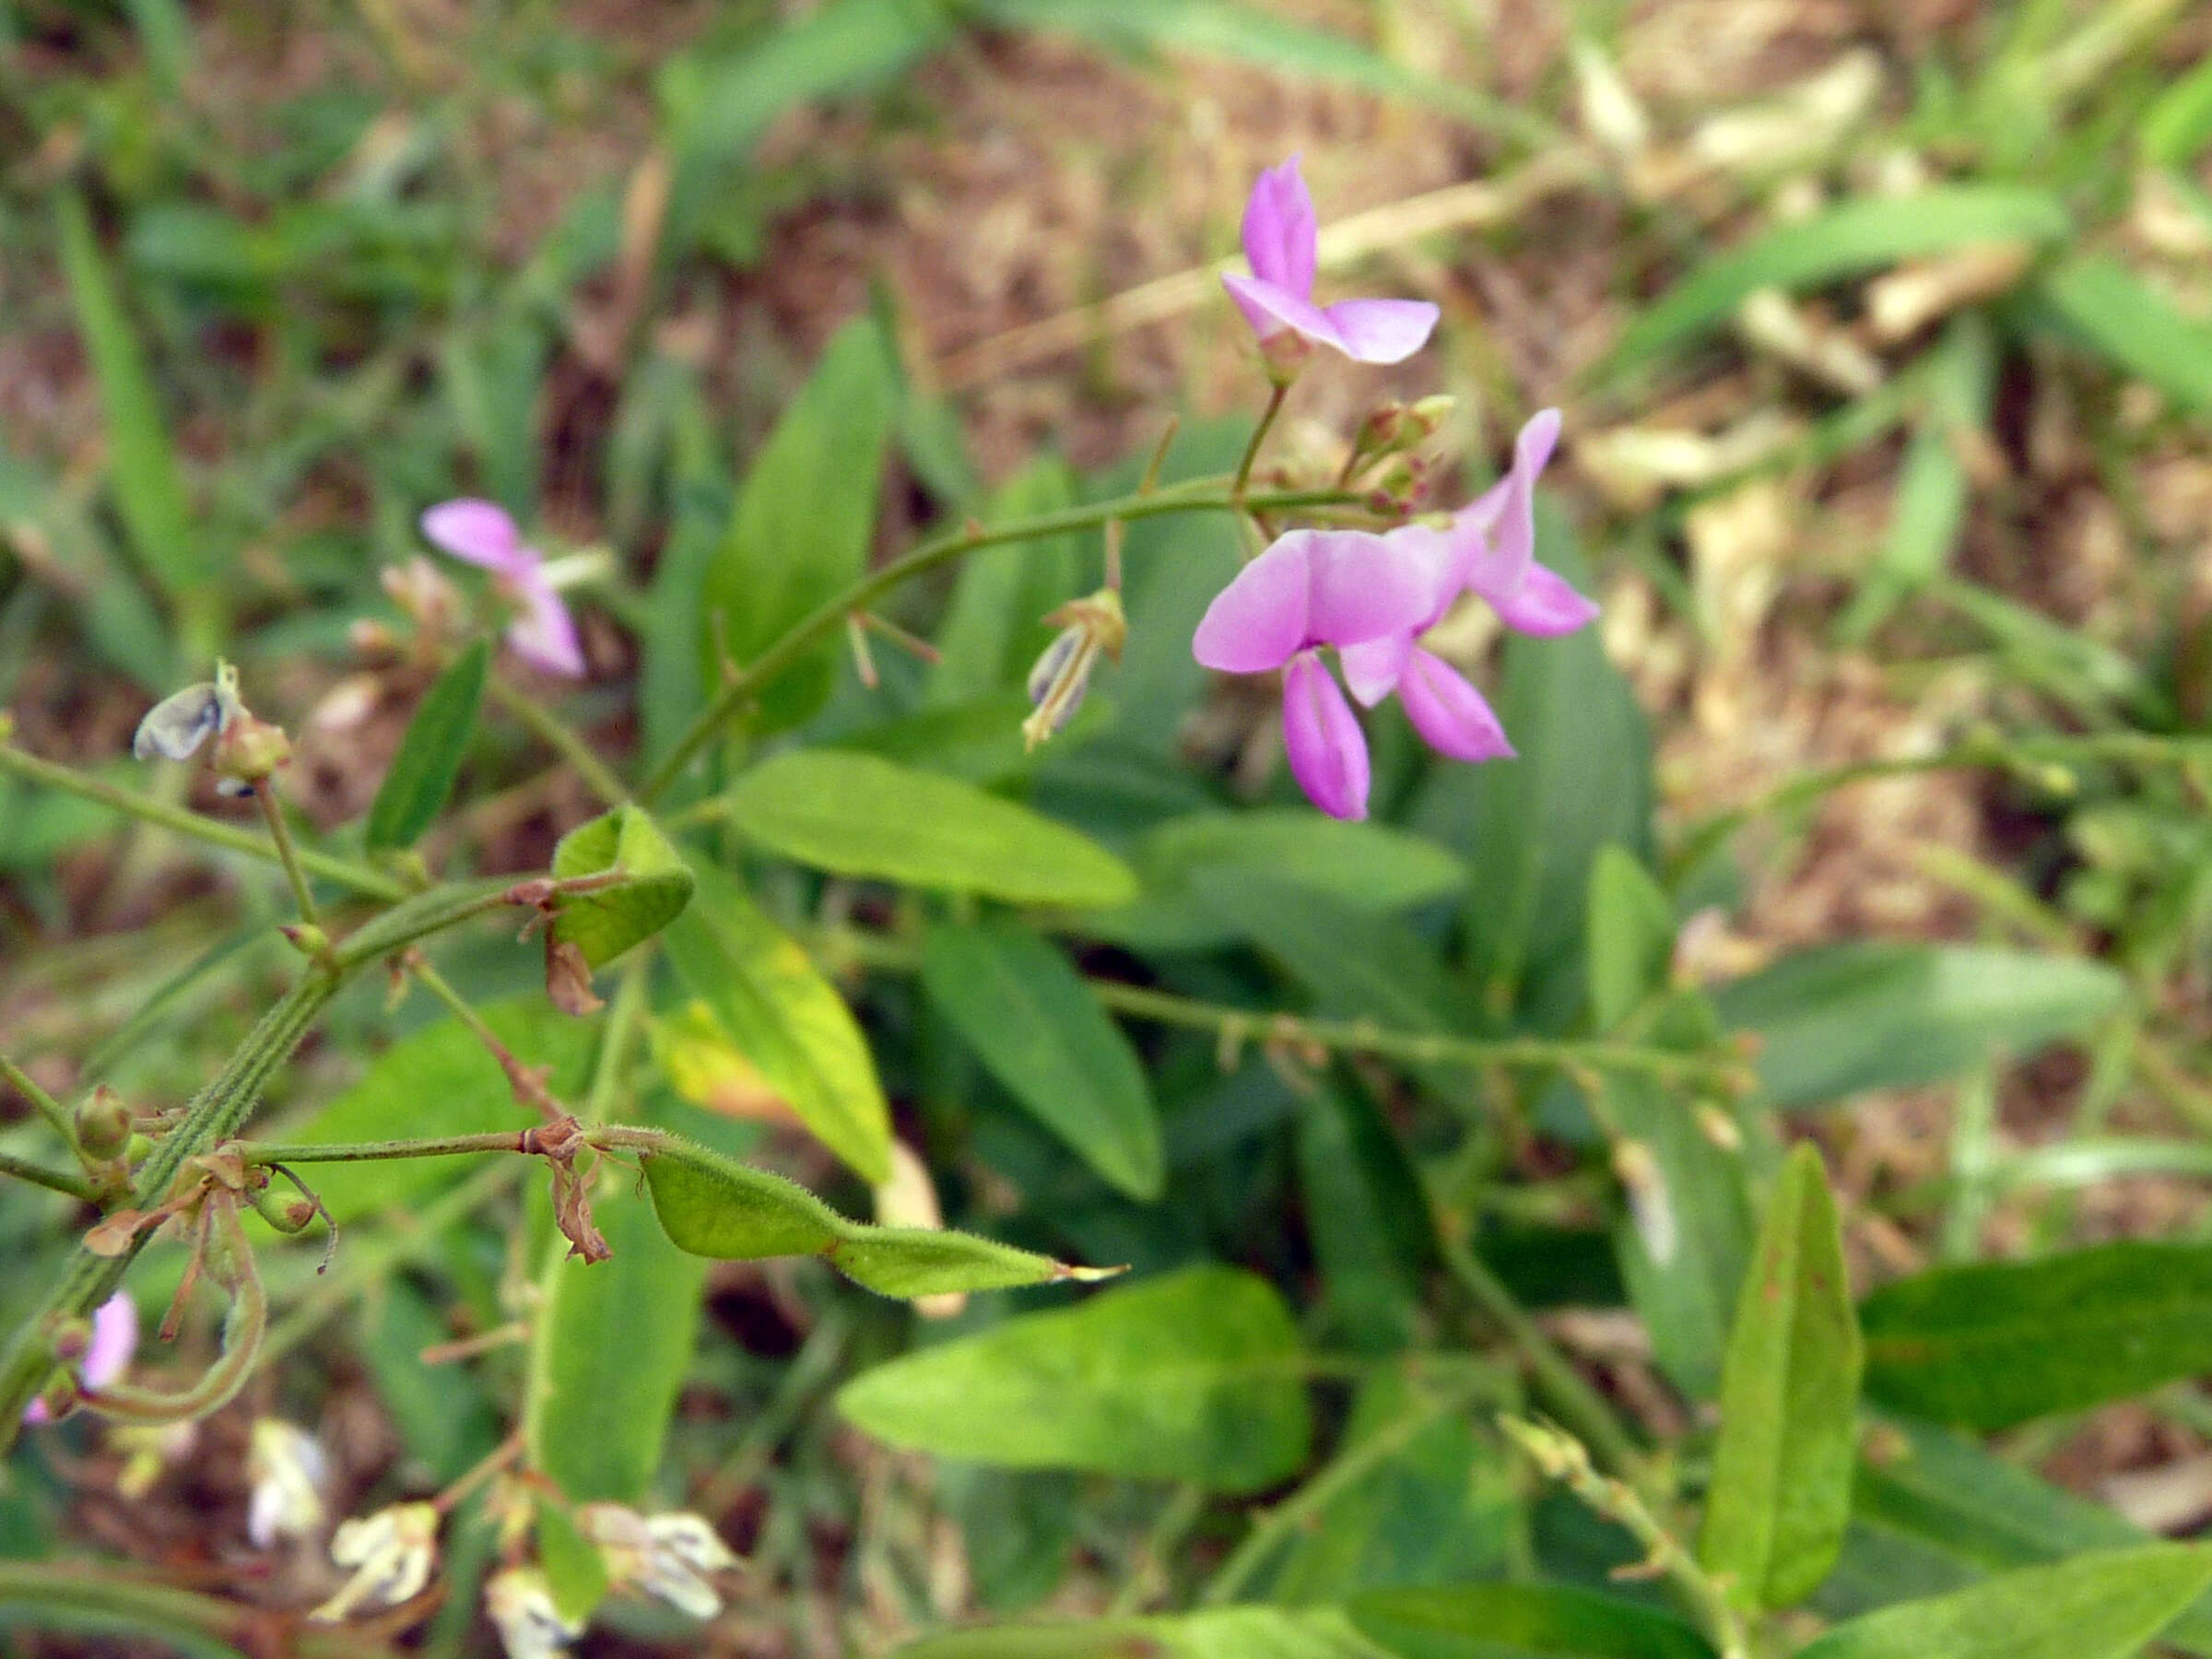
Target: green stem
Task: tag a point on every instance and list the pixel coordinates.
(1280, 391)
(280, 834)
(54, 1181)
(81, 1593)
(447, 1146)
(527, 1087)
(57, 1116)
(1580, 1407)
(1341, 1036)
(215, 1116)
(1201, 496)
(355, 877)
(560, 736)
(1349, 1467)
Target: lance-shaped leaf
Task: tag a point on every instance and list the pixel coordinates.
(1194, 1377)
(1780, 1492)
(858, 815)
(805, 515)
(712, 1206)
(423, 774)
(1218, 1633)
(1040, 1032)
(656, 885)
(2101, 1605)
(786, 1019)
(1520, 1621)
(1995, 1344)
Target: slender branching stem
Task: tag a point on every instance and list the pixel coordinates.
(54, 1181)
(562, 738)
(288, 854)
(355, 877)
(56, 1116)
(443, 1146)
(742, 687)
(1241, 483)
(527, 1083)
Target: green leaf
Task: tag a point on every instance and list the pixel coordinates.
(1040, 1031)
(1995, 1344)
(1840, 1019)
(1531, 829)
(1685, 1244)
(1780, 1492)
(805, 515)
(143, 474)
(1631, 936)
(1223, 1634)
(612, 1342)
(656, 884)
(440, 1080)
(786, 1019)
(1367, 1218)
(859, 814)
(994, 629)
(1520, 1621)
(2178, 125)
(423, 774)
(2134, 326)
(1370, 867)
(2101, 1606)
(712, 1206)
(1193, 1377)
(1862, 234)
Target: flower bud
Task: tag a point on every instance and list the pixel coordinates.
(391, 1554)
(521, 1607)
(248, 750)
(286, 1468)
(1062, 677)
(104, 1124)
(306, 938)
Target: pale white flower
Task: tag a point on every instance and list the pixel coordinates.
(391, 1554)
(286, 1468)
(178, 723)
(669, 1556)
(521, 1604)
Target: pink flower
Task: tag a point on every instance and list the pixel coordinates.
(108, 1354)
(1314, 588)
(1490, 550)
(1278, 295)
(480, 531)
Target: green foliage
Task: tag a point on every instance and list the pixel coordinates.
(2000, 1343)
(1195, 1377)
(1224, 1633)
(2134, 327)
(1040, 1032)
(2099, 1605)
(1519, 1621)
(783, 1017)
(857, 815)
(414, 791)
(1780, 1487)
(803, 521)
(1843, 1019)
(650, 884)
(710, 1205)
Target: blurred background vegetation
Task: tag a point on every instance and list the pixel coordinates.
(1883, 329)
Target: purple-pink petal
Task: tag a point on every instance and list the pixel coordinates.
(480, 531)
(1381, 331)
(1363, 586)
(1322, 736)
(1279, 230)
(107, 1353)
(1453, 718)
(1547, 605)
(1372, 667)
(1259, 619)
(545, 634)
(1270, 309)
(1505, 514)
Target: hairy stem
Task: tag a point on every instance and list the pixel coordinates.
(54, 1181)
(57, 1116)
